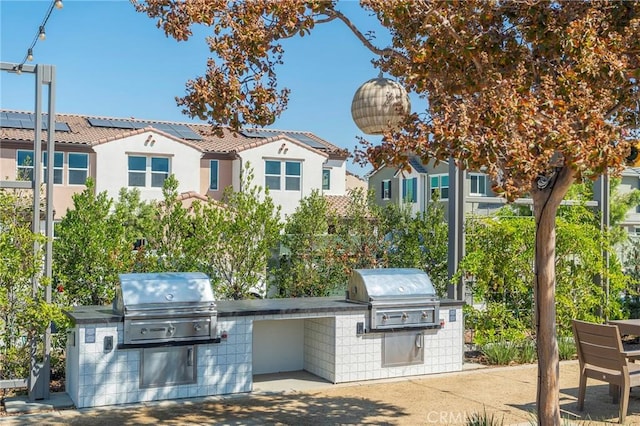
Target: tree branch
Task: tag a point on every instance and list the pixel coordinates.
(444, 21)
(388, 52)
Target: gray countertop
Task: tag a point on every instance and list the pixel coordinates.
(233, 308)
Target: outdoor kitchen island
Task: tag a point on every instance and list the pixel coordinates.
(328, 337)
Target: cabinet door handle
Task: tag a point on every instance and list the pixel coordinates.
(419, 340)
(190, 357)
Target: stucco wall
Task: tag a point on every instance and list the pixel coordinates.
(112, 163)
(285, 150)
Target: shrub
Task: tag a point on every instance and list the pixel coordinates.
(500, 353)
(566, 348)
(484, 419)
(527, 351)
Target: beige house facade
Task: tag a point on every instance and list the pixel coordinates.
(130, 153)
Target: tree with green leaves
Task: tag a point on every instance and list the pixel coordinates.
(167, 248)
(418, 240)
(23, 315)
(233, 240)
(94, 244)
(499, 264)
(308, 267)
(537, 93)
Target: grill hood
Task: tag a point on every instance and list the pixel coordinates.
(371, 285)
(166, 291)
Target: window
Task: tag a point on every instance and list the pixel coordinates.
(292, 175)
(137, 170)
(213, 175)
(440, 183)
(159, 171)
(478, 184)
(386, 189)
(78, 168)
(25, 166)
(148, 171)
(272, 174)
(24, 169)
(326, 179)
(58, 160)
(410, 190)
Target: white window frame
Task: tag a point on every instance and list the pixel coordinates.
(290, 178)
(77, 169)
(439, 187)
(406, 183)
(478, 177)
(285, 178)
(327, 173)
(148, 171)
(55, 168)
(273, 175)
(28, 170)
(211, 176)
(386, 189)
(154, 173)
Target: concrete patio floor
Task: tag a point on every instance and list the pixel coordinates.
(507, 393)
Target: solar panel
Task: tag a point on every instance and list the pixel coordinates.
(177, 130)
(26, 122)
(19, 116)
(10, 123)
(305, 139)
(259, 133)
(100, 122)
(186, 132)
(62, 127)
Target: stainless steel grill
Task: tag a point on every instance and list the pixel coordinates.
(166, 307)
(398, 298)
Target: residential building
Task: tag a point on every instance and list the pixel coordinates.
(131, 153)
(417, 185)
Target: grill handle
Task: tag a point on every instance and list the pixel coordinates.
(190, 357)
(419, 340)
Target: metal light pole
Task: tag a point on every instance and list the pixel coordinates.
(455, 290)
(40, 371)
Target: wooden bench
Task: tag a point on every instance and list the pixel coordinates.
(603, 358)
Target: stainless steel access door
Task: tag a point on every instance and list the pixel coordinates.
(165, 366)
(402, 348)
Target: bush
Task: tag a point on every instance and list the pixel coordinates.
(528, 352)
(484, 419)
(566, 348)
(500, 353)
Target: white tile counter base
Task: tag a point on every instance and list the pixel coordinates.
(96, 377)
(332, 350)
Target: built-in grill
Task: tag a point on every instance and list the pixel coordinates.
(398, 298)
(166, 307)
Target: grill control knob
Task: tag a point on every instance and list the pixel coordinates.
(170, 330)
(405, 316)
(143, 331)
(385, 317)
(197, 326)
(424, 315)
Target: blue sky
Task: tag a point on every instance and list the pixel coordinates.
(112, 61)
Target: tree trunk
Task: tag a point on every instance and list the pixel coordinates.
(545, 205)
